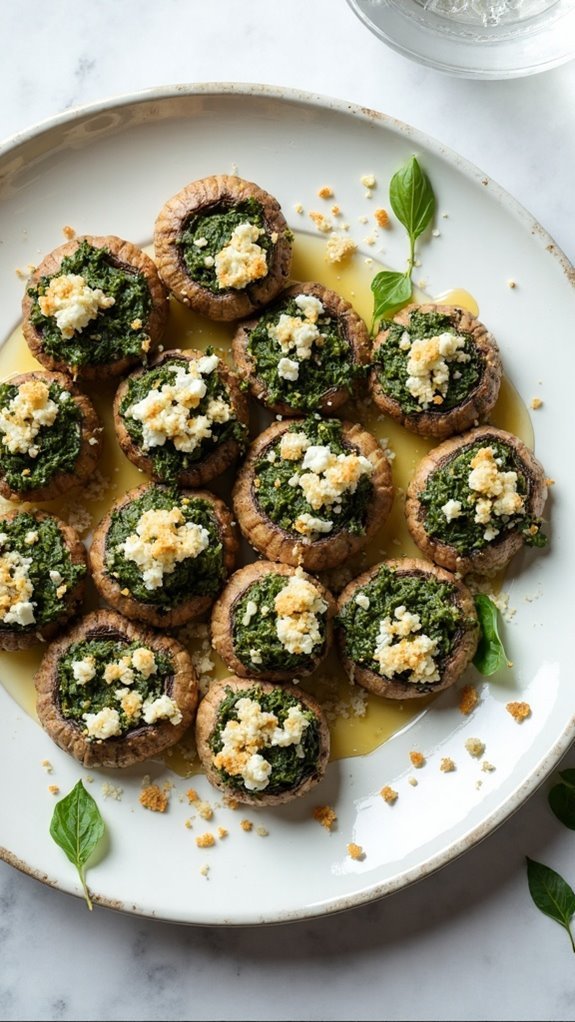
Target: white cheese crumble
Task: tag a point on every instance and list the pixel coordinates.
(84, 670)
(297, 606)
(130, 702)
(494, 491)
(309, 526)
(119, 670)
(296, 335)
(254, 730)
(451, 509)
(16, 589)
(73, 303)
(250, 611)
(162, 708)
(25, 415)
(104, 724)
(167, 413)
(242, 260)
(288, 369)
(428, 365)
(400, 649)
(144, 661)
(293, 446)
(326, 477)
(162, 540)
(362, 601)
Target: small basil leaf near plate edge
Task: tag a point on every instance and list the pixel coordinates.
(561, 800)
(551, 894)
(77, 828)
(412, 199)
(490, 655)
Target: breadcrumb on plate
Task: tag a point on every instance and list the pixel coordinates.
(152, 797)
(417, 758)
(206, 840)
(326, 816)
(389, 795)
(468, 699)
(519, 711)
(447, 766)
(355, 852)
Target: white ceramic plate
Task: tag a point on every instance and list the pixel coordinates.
(108, 169)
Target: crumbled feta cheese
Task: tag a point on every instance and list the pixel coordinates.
(242, 260)
(251, 609)
(56, 578)
(293, 446)
(25, 415)
(255, 730)
(31, 538)
(428, 365)
(16, 589)
(162, 540)
(144, 661)
(362, 601)
(119, 671)
(84, 670)
(163, 708)
(494, 491)
(399, 649)
(288, 369)
(452, 509)
(297, 606)
(309, 526)
(326, 476)
(104, 724)
(130, 701)
(73, 303)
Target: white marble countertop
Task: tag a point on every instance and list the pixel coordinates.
(466, 943)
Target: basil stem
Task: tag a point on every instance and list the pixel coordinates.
(77, 828)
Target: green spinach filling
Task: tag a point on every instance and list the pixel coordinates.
(291, 764)
(58, 445)
(284, 503)
(48, 553)
(450, 482)
(391, 362)
(194, 576)
(208, 233)
(442, 620)
(260, 633)
(168, 461)
(110, 335)
(331, 366)
(77, 698)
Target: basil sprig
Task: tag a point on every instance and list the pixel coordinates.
(552, 894)
(562, 798)
(413, 202)
(77, 827)
(490, 655)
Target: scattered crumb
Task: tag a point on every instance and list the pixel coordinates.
(246, 825)
(192, 795)
(512, 284)
(339, 248)
(536, 403)
(445, 216)
(112, 791)
(326, 816)
(355, 852)
(447, 766)
(519, 711)
(549, 481)
(204, 870)
(68, 232)
(222, 833)
(468, 699)
(152, 797)
(231, 803)
(89, 779)
(53, 789)
(335, 211)
(487, 767)
(262, 831)
(478, 784)
(325, 192)
(413, 781)
(47, 766)
(188, 824)
(97, 487)
(321, 222)
(382, 217)
(389, 795)
(368, 181)
(475, 747)
(206, 840)
(435, 233)
(205, 810)
(417, 758)
(363, 219)
(298, 207)
(79, 518)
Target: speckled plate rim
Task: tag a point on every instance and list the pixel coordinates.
(39, 136)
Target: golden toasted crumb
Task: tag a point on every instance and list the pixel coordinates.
(536, 403)
(475, 747)
(417, 759)
(325, 815)
(205, 810)
(152, 797)
(413, 781)
(68, 232)
(447, 766)
(192, 795)
(339, 248)
(231, 803)
(206, 840)
(325, 192)
(321, 222)
(389, 795)
(382, 217)
(468, 699)
(549, 481)
(355, 852)
(262, 831)
(222, 833)
(204, 870)
(487, 767)
(53, 789)
(246, 825)
(47, 766)
(335, 211)
(188, 824)
(519, 711)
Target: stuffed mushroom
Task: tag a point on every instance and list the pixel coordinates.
(50, 436)
(223, 247)
(112, 693)
(436, 370)
(272, 621)
(161, 555)
(308, 352)
(42, 577)
(94, 307)
(406, 629)
(475, 500)
(262, 744)
(312, 491)
(182, 419)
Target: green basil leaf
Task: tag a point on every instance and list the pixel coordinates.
(490, 656)
(391, 291)
(561, 799)
(412, 198)
(77, 828)
(551, 894)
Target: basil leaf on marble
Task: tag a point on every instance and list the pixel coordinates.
(551, 894)
(77, 828)
(490, 655)
(561, 798)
